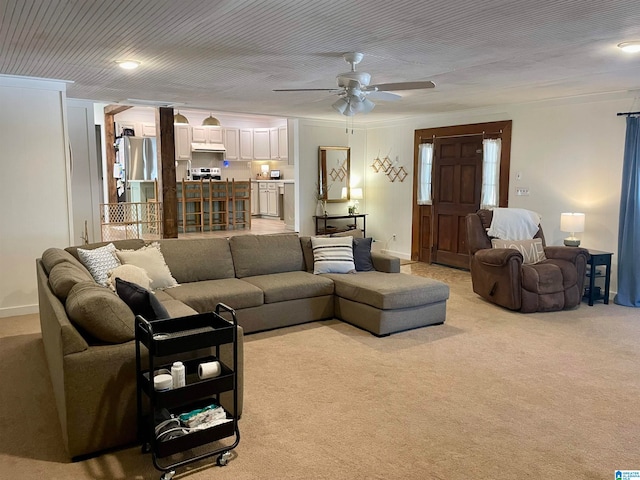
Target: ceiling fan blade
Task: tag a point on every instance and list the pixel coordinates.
(386, 96)
(305, 90)
(385, 87)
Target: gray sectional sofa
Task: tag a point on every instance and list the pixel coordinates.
(267, 279)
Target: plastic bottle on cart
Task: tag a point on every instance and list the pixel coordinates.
(178, 375)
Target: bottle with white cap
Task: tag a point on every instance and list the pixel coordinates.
(178, 375)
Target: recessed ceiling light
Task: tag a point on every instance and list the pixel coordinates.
(128, 64)
(630, 47)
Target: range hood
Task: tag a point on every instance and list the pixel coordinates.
(207, 147)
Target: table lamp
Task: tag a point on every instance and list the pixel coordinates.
(356, 194)
(572, 223)
(264, 169)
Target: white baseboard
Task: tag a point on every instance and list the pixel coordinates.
(16, 311)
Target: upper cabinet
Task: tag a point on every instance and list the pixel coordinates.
(246, 144)
(231, 143)
(261, 150)
(206, 134)
(141, 129)
(182, 139)
(283, 143)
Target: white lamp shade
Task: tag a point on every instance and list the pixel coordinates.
(572, 222)
(356, 193)
(264, 168)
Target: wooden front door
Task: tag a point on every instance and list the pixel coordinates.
(457, 183)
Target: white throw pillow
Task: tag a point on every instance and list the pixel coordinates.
(532, 250)
(99, 261)
(151, 260)
(129, 273)
(333, 255)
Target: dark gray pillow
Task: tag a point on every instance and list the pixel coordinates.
(140, 300)
(362, 254)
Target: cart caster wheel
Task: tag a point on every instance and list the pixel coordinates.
(146, 447)
(223, 459)
(167, 475)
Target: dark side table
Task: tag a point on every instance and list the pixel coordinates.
(592, 292)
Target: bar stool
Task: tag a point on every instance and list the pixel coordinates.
(240, 204)
(218, 204)
(192, 203)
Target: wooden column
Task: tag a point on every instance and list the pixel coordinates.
(110, 112)
(166, 154)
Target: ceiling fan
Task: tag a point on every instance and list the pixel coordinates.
(355, 92)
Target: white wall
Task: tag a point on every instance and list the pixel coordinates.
(34, 192)
(569, 152)
(313, 134)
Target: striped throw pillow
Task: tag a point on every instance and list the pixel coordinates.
(332, 255)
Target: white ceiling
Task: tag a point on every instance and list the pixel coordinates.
(229, 55)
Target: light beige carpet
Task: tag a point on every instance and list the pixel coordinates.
(490, 394)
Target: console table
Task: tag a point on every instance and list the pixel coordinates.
(592, 293)
(322, 229)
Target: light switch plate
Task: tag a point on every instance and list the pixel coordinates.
(522, 191)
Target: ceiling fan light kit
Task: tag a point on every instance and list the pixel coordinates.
(354, 89)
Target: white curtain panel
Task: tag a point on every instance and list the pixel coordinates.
(490, 173)
(425, 161)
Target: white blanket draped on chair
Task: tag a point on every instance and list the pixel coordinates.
(513, 224)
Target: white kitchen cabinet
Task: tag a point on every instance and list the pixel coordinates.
(246, 144)
(147, 129)
(182, 139)
(272, 205)
(274, 152)
(206, 134)
(283, 143)
(268, 193)
(261, 144)
(231, 141)
(263, 193)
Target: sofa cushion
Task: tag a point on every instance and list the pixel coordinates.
(265, 254)
(542, 278)
(205, 295)
(140, 300)
(64, 276)
(130, 244)
(362, 254)
(280, 287)
(53, 256)
(99, 261)
(150, 259)
(198, 259)
(99, 312)
(388, 291)
(333, 255)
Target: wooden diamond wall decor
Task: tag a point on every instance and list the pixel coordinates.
(376, 165)
(386, 164)
(402, 174)
(392, 173)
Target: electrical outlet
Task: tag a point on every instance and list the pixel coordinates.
(522, 191)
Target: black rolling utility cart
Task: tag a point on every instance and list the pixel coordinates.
(187, 424)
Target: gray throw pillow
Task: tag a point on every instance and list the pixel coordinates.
(362, 254)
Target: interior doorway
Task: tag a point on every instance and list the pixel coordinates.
(439, 230)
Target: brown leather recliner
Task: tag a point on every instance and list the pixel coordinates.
(498, 274)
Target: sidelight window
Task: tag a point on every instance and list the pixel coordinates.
(425, 163)
(490, 173)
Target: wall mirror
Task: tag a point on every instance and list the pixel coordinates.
(334, 166)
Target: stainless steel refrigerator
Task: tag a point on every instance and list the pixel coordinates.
(137, 160)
